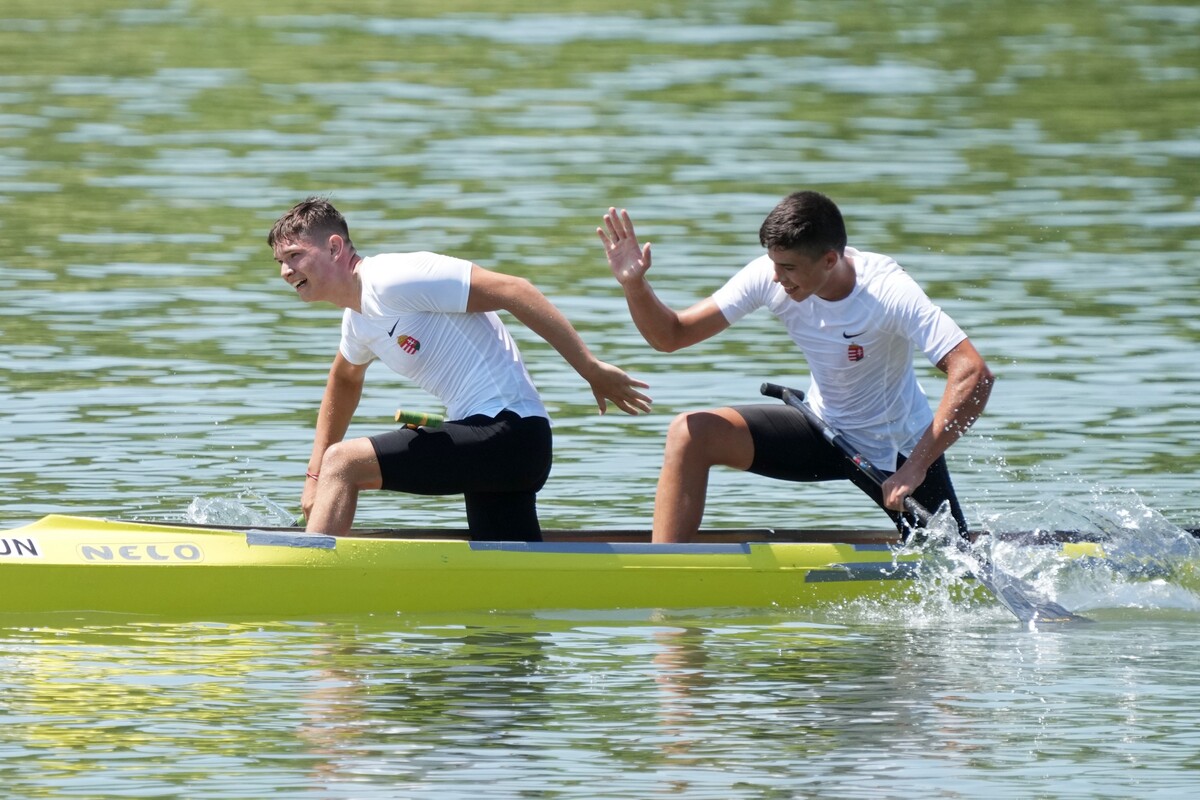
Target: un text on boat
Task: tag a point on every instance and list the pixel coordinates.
(19, 548)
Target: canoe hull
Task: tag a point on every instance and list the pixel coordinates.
(71, 564)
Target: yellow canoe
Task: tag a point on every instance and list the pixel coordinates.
(78, 564)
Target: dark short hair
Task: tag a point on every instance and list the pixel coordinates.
(806, 221)
(314, 217)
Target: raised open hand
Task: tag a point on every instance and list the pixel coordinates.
(627, 260)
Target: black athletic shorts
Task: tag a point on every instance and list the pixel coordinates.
(787, 447)
(497, 463)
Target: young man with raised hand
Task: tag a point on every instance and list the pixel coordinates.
(431, 318)
(857, 317)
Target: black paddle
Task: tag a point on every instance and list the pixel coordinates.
(1009, 590)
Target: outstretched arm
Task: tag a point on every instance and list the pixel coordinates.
(343, 390)
(968, 386)
(495, 291)
(663, 328)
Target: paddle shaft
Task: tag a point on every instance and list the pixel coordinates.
(795, 399)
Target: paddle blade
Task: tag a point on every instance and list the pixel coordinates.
(1015, 595)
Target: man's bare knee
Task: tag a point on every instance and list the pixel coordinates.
(711, 437)
(336, 460)
(352, 461)
(698, 433)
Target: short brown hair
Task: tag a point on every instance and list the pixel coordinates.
(313, 217)
(806, 221)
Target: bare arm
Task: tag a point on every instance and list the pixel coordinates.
(968, 386)
(495, 291)
(343, 390)
(663, 328)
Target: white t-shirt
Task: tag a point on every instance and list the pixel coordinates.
(859, 349)
(414, 320)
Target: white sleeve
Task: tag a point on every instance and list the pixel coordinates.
(930, 329)
(750, 289)
(352, 348)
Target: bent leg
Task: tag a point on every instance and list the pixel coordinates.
(506, 507)
(503, 516)
(497, 463)
(696, 442)
(346, 469)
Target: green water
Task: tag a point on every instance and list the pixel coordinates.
(1033, 165)
(628, 706)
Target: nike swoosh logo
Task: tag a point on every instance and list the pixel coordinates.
(393, 330)
(852, 335)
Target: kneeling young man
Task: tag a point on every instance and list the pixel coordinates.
(431, 318)
(856, 316)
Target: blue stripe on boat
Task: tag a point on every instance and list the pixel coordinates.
(863, 572)
(280, 539)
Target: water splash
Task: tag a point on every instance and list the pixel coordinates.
(1149, 562)
(1137, 558)
(941, 591)
(1121, 554)
(248, 508)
